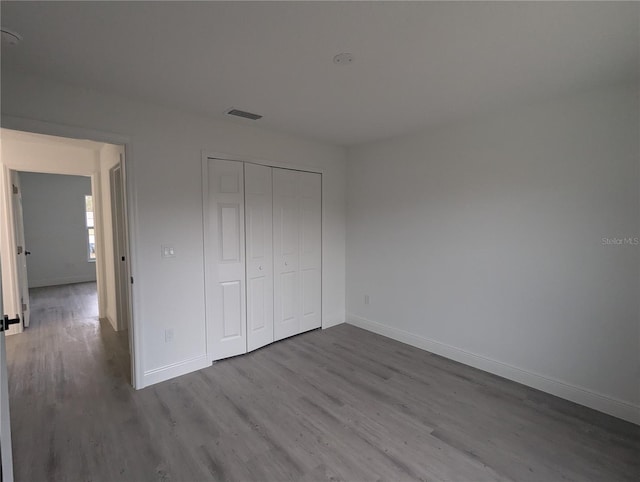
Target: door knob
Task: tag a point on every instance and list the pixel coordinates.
(260, 268)
(27, 253)
(286, 264)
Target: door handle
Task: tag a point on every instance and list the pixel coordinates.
(27, 253)
(260, 268)
(5, 322)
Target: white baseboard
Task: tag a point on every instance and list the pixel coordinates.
(111, 322)
(588, 398)
(157, 375)
(329, 321)
(67, 280)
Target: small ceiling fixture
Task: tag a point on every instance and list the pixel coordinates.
(242, 113)
(10, 37)
(343, 58)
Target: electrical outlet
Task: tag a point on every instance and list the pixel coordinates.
(367, 300)
(168, 335)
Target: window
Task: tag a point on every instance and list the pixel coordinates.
(91, 231)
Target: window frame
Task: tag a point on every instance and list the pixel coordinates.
(90, 229)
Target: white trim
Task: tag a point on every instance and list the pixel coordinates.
(110, 321)
(68, 280)
(77, 132)
(332, 320)
(225, 156)
(588, 398)
(9, 247)
(173, 370)
(61, 130)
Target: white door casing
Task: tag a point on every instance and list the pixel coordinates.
(225, 264)
(259, 254)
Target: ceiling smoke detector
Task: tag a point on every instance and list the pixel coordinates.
(10, 37)
(343, 58)
(244, 114)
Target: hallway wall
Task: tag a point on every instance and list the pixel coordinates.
(55, 229)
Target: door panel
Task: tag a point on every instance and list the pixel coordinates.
(286, 243)
(231, 309)
(257, 306)
(21, 256)
(225, 263)
(120, 259)
(6, 453)
(259, 228)
(229, 229)
(310, 185)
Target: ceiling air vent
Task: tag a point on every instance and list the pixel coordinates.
(242, 113)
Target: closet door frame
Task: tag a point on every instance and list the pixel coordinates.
(206, 156)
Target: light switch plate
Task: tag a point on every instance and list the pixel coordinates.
(168, 252)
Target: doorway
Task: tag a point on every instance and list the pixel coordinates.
(102, 225)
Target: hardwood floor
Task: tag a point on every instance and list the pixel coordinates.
(338, 404)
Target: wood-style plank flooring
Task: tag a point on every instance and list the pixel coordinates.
(338, 404)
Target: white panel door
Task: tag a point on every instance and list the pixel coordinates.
(286, 241)
(22, 251)
(258, 195)
(225, 259)
(310, 194)
(6, 453)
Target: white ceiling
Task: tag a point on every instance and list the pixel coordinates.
(416, 64)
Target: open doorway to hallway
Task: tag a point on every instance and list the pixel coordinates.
(64, 238)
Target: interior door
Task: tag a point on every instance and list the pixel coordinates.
(21, 252)
(286, 242)
(119, 247)
(225, 259)
(258, 197)
(310, 191)
(6, 453)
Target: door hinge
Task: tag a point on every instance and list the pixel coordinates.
(15, 189)
(132, 280)
(20, 248)
(24, 307)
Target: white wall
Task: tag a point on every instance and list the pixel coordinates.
(55, 228)
(482, 241)
(164, 167)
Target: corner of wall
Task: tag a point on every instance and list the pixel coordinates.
(580, 395)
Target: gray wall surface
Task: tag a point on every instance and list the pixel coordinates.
(486, 240)
(55, 229)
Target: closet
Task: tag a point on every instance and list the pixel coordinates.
(263, 254)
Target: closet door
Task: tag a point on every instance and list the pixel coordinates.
(310, 195)
(225, 263)
(297, 239)
(259, 243)
(286, 239)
